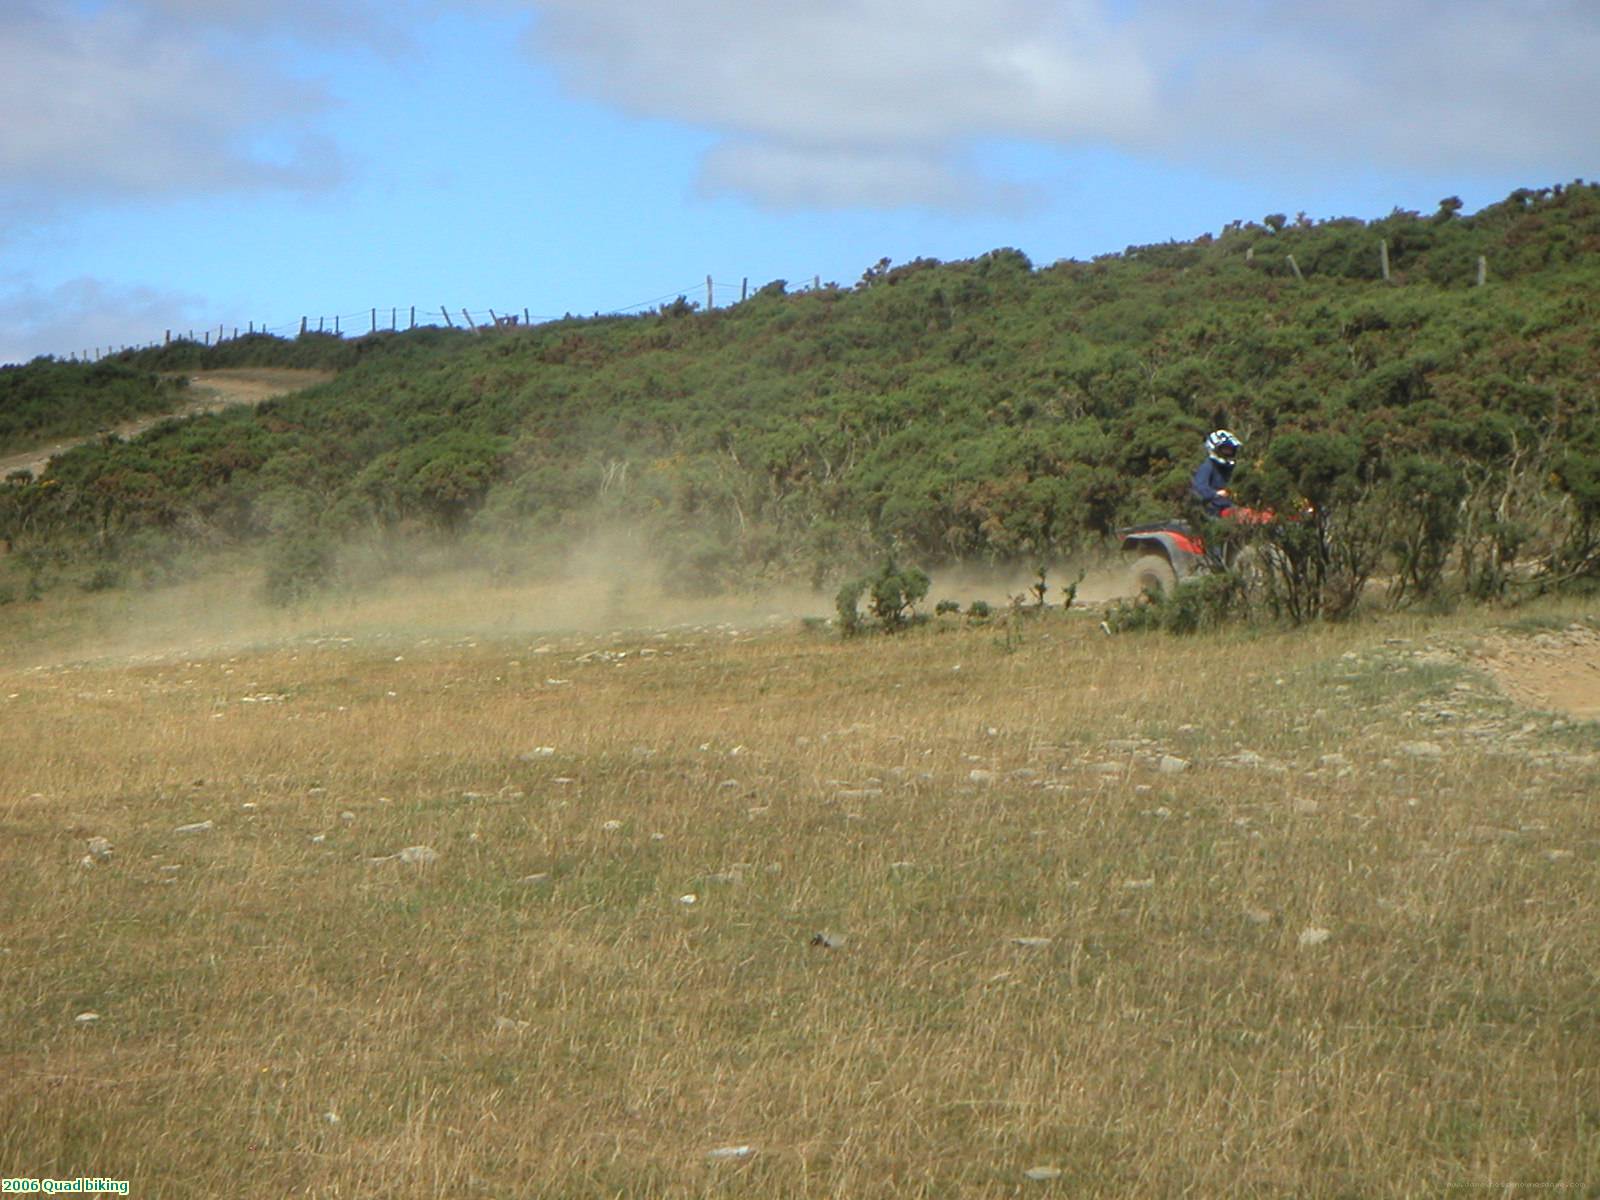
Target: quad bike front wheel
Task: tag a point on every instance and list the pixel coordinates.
(1152, 575)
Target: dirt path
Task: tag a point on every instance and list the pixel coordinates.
(1556, 671)
(209, 391)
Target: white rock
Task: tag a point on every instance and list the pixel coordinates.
(1171, 764)
(418, 856)
(1314, 935)
(724, 1153)
(509, 1025)
(1040, 1174)
(99, 848)
(1139, 885)
(688, 899)
(197, 827)
(611, 826)
(87, 1018)
(1423, 749)
(1031, 943)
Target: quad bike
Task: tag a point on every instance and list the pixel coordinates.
(1166, 553)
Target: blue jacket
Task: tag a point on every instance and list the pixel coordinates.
(1209, 479)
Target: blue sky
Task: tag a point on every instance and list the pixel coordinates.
(190, 164)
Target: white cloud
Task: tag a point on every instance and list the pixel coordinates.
(87, 315)
(166, 97)
(842, 102)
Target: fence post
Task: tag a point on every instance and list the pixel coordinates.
(1383, 257)
(447, 319)
(394, 319)
(374, 320)
(1483, 270)
(413, 316)
(744, 289)
(470, 321)
(168, 342)
(303, 321)
(710, 299)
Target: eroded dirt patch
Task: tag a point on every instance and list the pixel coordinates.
(1555, 670)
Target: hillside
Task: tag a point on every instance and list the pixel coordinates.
(981, 410)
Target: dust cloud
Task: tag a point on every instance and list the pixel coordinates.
(609, 581)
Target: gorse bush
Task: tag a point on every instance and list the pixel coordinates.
(892, 594)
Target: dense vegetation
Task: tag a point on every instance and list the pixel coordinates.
(984, 409)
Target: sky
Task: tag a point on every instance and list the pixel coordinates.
(210, 165)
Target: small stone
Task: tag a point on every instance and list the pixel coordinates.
(1258, 916)
(99, 849)
(1428, 750)
(725, 1153)
(1042, 1174)
(611, 826)
(828, 941)
(418, 856)
(1171, 764)
(688, 899)
(347, 816)
(981, 776)
(87, 1018)
(318, 838)
(509, 1025)
(1139, 885)
(1314, 935)
(1031, 943)
(197, 827)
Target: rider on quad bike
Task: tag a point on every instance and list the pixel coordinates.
(1166, 552)
(1210, 482)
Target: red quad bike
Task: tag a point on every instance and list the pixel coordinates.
(1168, 552)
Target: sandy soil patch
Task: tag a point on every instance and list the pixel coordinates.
(1557, 670)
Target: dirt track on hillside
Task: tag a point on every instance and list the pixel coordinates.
(209, 391)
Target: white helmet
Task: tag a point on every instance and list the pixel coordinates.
(1222, 446)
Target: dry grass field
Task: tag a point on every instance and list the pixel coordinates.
(477, 909)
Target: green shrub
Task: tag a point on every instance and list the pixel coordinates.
(298, 564)
(893, 593)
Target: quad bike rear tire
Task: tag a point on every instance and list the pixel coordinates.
(1152, 575)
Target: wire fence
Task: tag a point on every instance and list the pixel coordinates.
(396, 318)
